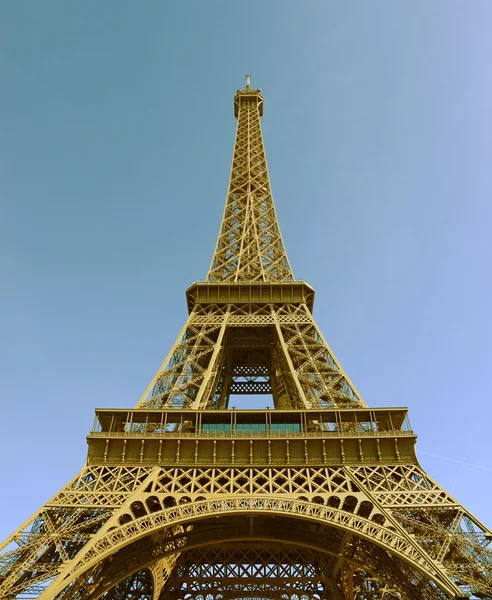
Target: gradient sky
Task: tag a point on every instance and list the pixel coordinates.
(116, 134)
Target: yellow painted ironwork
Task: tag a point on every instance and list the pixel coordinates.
(184, 496)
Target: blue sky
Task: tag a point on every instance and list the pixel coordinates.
(116, 135)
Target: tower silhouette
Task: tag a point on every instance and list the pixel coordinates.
(186, 497)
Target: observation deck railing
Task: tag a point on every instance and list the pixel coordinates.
(238, 424)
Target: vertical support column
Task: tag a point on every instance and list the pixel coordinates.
(306, 403)
(161, 571)
(161, 369)
(208, 381)
(333, 357)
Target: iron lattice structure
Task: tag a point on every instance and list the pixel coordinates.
(185, 497)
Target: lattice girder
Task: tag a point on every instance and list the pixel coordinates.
(143, 490)
(300, 370)
(269, 570)
(134, 529)
(144, 549)
(360, 551)
(249, 246)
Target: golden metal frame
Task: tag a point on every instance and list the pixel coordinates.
(183, 497)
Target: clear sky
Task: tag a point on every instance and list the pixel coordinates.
(116, 134)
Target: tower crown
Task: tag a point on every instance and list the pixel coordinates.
(248, 97)
(249, 246)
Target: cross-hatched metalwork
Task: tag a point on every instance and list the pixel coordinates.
(249, 246)
(186, 497)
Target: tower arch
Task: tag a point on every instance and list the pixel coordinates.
(215, 522)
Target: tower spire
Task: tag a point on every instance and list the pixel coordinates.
(250, 245)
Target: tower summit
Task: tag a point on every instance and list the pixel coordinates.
(184, 497)
(249, 246)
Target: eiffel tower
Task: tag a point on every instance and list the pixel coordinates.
(186, 497)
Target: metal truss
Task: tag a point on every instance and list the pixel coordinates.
(157, 514)
(236, 349)
(249, 246)
(186, 497)
(253, 570)
(139, 586)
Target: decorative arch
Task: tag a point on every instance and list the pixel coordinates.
(189, 514)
